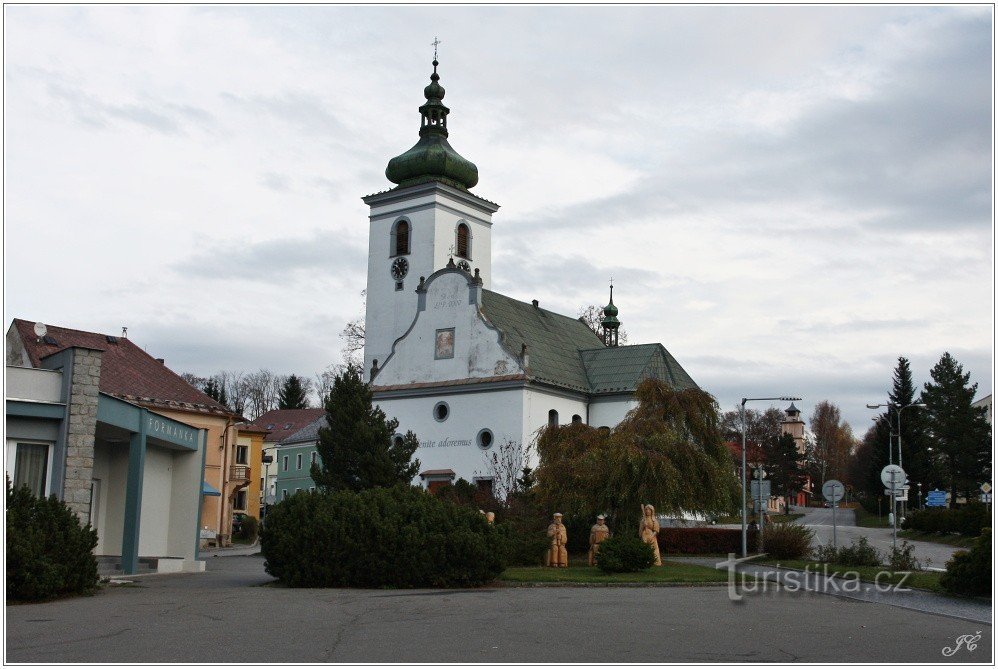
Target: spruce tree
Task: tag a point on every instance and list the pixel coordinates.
(960, 432)
(292, 394)
(359, 448)
(914, 454)
(214, 389)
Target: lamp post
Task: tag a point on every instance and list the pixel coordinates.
(897, 412)
(745, 466)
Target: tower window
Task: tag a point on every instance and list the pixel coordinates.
(463, 241)
(576, 419)
(400, 238)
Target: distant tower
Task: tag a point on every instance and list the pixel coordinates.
(794, 426)
(611, 336)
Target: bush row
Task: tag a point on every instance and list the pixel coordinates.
(704, 540)
(967, 520)
(969, 572)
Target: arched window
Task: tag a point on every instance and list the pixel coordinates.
(401, 239)
(463, 241)
(576, 419)
(553, 418)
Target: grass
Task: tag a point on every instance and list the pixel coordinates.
(866, 519)
(669, 572)
(947, 539)
(926, 580)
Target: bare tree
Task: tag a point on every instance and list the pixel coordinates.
(505, 464)
(353, 336)
(833, 443)
(195, 380)
(323, 381)
(592, 316)
(261, 390)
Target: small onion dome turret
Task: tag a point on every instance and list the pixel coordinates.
(432, 158)
(610, 314)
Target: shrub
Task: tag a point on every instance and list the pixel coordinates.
(379, 537)
(48, 553)
(624, 553)
(704, 540)
(857, 554)
(969, 572)
(902, 558)
(249, 528)
(787, 541)
(968, 520)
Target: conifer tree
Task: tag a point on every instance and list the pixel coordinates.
(293, 394)
(359, 447)
(216, 391)
(960, 432)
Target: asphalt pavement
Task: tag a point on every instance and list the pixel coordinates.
(820, 520)
(233, 613)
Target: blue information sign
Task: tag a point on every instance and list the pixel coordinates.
(935, 498)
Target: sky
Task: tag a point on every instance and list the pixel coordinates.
(788, 198)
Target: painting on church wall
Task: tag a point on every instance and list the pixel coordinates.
(444, 344)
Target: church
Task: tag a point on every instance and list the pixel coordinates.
(465, 368)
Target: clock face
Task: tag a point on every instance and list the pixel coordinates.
(465, 265)
(400, 268)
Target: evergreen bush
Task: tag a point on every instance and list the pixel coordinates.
(624, 553)
(249, 528)
(969, 572)
(787, 541)
(967, 520)
(48, 553)
(398, 537)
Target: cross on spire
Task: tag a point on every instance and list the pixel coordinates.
(436, 42)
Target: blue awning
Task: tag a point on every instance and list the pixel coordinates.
(208, 489)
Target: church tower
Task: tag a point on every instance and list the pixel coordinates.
(416, 228)
(610, 323)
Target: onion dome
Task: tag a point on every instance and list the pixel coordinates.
(432, 158)
(610, 322)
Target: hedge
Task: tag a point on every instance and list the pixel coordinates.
(969, 572)
(704, 540)
(48, 553)
(381, 537)
(624, 553)
(967, 520)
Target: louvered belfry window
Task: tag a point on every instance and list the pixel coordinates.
(402, 238)
(463, 234)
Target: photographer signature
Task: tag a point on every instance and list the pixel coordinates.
(969, 640)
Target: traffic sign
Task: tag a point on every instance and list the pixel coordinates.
(986, 498)
(893, 476)
(833, 490)
(935, 498)
(766, 487)
(985, 487)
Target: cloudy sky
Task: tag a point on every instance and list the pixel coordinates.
(788, 198)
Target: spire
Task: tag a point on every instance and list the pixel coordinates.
(432, 158)
(610, 323)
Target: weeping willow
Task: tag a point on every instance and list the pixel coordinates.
(667, 452)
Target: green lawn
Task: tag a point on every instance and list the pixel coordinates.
(669, 572)
(866, 519)
(926, 580)
(948, 539)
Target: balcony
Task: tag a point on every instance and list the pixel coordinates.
(239, 473)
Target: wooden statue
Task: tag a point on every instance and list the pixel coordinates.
(490, 516)
(557, 555)
(649, 529)
(597, 535)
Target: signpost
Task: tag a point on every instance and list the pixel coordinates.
(935, 498)
(986, 497)
(894, 480)
(833, 491)
(760, 489)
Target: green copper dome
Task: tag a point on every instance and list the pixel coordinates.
(432, 158)
(610, 314)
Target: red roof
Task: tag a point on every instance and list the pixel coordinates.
(127, 371)
(752, 452)
(282, 423)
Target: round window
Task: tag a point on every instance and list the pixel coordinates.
(441, 411)
(397, 440)
(485, 439)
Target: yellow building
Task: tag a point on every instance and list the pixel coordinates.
(249, 449)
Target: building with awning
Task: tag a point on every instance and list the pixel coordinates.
(132, 473)
(129, 420)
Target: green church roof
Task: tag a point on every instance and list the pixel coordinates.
(565, 352)
(432, 158)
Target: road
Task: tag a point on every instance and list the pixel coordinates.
(231, 614)
(820, 520)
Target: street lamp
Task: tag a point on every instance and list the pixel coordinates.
(745, 466)
(890, 455)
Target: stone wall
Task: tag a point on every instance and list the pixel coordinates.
(82, 426)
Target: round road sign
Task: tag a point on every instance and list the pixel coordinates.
(833, 490)
(893, 476)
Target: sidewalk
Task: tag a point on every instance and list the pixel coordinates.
(235, 549)
(974, 609)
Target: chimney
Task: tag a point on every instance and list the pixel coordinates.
(161, 361)
(524, 355)
(536, 304)
(124, 332)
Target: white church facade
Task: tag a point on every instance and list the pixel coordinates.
(466, 368)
